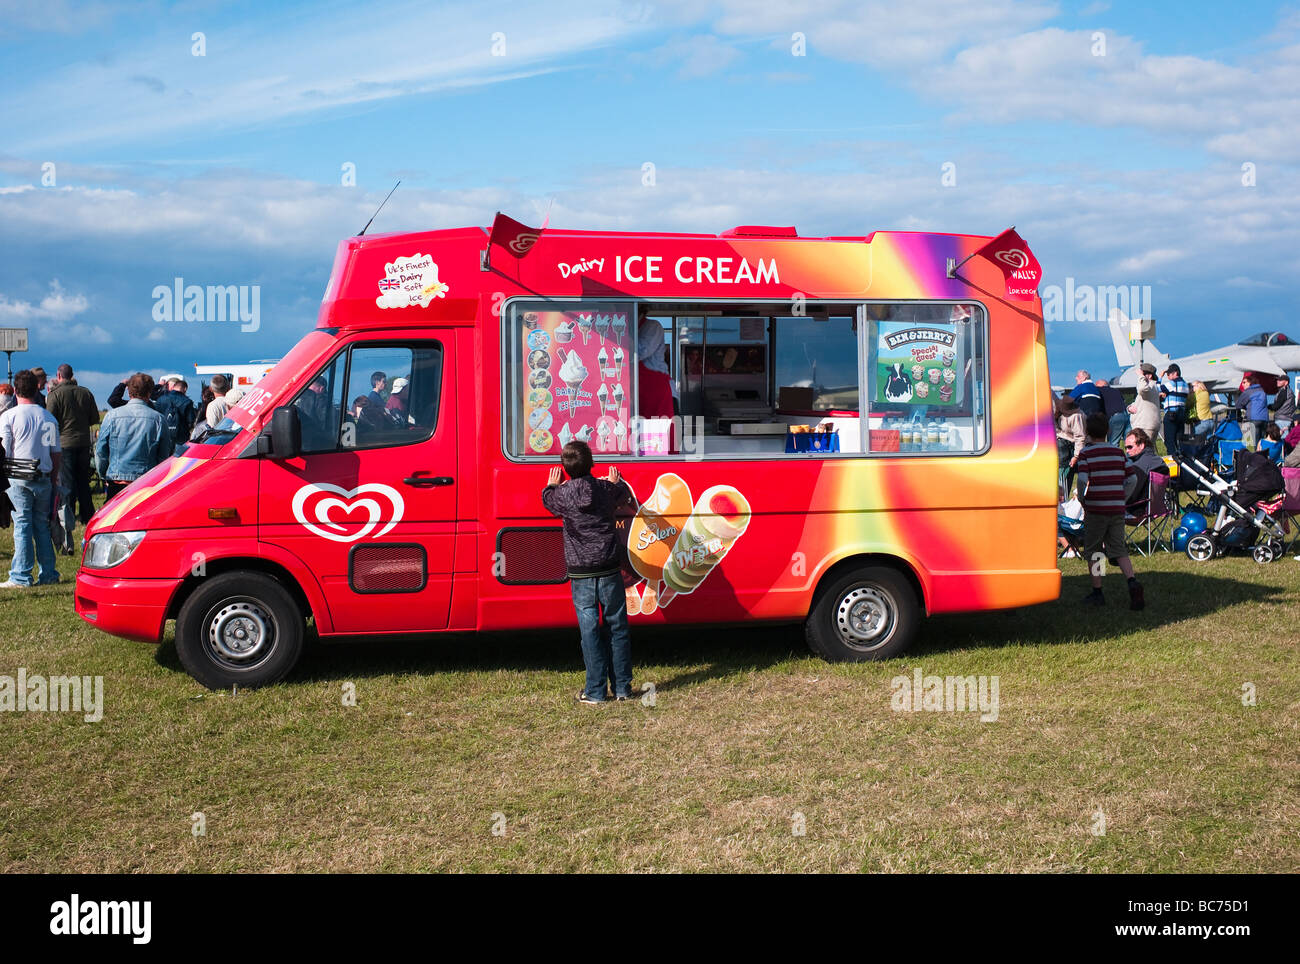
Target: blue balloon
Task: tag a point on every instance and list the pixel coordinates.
(1181, 535)
(1193, 522)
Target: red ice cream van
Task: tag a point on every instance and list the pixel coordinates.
(858, 436)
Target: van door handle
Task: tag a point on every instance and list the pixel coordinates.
(428, 482)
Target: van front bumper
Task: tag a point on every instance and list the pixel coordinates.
(131, 608)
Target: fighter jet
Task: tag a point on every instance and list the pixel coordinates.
(1269, 353)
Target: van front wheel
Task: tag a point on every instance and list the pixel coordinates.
(239, 628)
(868, 614)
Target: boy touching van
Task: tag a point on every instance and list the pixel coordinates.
(587, 506)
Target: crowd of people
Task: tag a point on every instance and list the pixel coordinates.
(51, 452)
(1098, 431)
(1166, 405)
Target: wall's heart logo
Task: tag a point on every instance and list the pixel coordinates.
(320, 500)
(522, 243)
(1014, 257)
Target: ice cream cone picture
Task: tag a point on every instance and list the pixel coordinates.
(654, 531)
(602, 327)
(603, 433)
(619, 323)
(602, 394)
(719, 518)
(619, 395)
(602, 363)
(584, 326)
(618, 361)
(572, 372)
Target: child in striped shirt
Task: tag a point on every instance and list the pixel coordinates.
(1106, 481)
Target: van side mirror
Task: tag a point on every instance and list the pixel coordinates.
(286, 433)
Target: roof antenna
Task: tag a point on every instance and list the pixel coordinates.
(378, 209)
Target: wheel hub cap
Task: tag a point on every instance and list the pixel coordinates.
(240, 631)
(865, 618)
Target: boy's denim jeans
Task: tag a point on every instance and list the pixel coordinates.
(607, 646)
(31, 501)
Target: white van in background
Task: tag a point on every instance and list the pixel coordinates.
(242, 376)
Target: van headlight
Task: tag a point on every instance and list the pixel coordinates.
(108, 549)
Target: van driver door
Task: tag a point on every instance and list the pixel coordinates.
(370, 504)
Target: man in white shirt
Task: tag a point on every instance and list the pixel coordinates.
(218, 407)
(29, 436)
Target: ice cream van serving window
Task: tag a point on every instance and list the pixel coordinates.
(733, 380)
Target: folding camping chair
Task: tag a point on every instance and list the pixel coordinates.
(1224, 455)
(1290, 510)
(1146, 530)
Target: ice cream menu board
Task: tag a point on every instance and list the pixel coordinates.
(577, 378)
(918, 364)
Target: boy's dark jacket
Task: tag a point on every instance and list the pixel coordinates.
(587, 506)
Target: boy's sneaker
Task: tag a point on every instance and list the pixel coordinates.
(1094, 598)
(1136, 596)
(584, 698)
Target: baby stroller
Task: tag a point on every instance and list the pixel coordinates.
(1242, 509)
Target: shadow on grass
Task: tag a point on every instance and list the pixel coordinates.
(719, 651)
(1171, 597)
(701, 652)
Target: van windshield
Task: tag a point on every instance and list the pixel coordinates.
(256, 403)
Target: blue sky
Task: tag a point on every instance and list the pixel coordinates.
(1120, 165)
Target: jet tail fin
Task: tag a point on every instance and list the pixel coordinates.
(1125, 351)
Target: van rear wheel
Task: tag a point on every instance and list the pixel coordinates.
(239, 628)
(870, 613)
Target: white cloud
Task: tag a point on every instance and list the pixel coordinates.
(699, 55)
(59, 16)
(51, 320)
(881, 33)
(1150, 259)
(1241, 281)
(56, 306)
(256, 75)
(1000, 62)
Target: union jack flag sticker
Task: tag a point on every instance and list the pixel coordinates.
(387, 284)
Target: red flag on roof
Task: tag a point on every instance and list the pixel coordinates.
(515, 238)
(1010, 253)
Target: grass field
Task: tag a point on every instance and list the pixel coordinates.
(1136, 717)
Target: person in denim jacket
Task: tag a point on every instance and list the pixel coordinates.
(132, 439)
